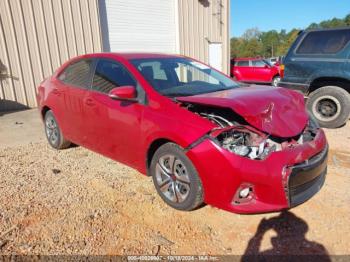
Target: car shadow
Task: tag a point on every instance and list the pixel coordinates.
(8, 107)
(290, 241)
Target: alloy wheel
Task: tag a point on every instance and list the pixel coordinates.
(172, 178)
(52, 131)
(276, 80)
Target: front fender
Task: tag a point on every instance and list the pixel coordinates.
(180, 132)
(176, 137)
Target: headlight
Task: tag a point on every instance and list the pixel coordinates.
(245, 143)
(239, 150)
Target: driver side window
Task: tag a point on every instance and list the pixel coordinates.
(258, 63)
(109, 75)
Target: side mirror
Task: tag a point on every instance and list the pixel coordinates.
(266, 66)
(124, 93)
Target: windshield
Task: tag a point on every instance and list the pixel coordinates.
(267, 62)
(177, 76)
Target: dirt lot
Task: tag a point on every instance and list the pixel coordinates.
(77, 202)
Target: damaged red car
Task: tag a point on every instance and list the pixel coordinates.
(201, 136)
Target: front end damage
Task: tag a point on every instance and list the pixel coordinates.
(248, 170)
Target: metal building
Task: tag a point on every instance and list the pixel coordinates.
(37, 36)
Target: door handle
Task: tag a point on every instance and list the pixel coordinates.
(89, 102)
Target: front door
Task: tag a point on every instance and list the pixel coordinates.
(262, 72)
(113, 125)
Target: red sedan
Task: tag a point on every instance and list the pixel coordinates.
(255, 70)
(200, 135)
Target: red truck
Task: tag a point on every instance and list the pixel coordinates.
(255, 70)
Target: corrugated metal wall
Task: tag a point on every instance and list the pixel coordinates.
(202, 22)
(141, 26)
(37, 36)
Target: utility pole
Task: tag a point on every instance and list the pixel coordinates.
(272, 50)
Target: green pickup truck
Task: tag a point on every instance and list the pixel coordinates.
(318, 65)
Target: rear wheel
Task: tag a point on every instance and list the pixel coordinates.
(53, 132)
(330, 105)
(175, 178)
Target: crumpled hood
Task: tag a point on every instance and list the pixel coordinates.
(277, 111)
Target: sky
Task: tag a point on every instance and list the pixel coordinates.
(283, 14)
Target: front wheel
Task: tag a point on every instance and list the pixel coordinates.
(330, 105)
(175, 178)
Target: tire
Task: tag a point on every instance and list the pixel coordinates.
(330, 105)
(53, 132)
(184, 190)
(275, 81)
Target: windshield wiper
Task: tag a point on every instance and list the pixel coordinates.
(178, 94)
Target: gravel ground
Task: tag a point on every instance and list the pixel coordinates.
(77, 202)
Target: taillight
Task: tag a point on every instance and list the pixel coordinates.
(282, 71)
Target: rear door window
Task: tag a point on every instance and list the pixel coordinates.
(77, 74)
(242, 63)
(324, 42)
(110, 74)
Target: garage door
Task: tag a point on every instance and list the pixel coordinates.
(134, 25)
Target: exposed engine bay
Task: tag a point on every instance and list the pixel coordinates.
(237, 136)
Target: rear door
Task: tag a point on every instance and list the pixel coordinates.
(244, 71)
(76, 79)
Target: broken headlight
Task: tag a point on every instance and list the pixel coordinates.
(244, 142)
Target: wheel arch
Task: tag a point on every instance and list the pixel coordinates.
(329, 81)
(44, 110)
(152, 148)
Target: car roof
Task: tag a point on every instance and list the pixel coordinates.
(129, 56)
(326, 29)
(126, 56)
(248, 58)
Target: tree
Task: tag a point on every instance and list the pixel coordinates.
(236, 46)
(288, 41)
(347, 20)
(254, 43)
(249, 45)
(252, 33)
(270, 41)
(251, 48)
(313, 26)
